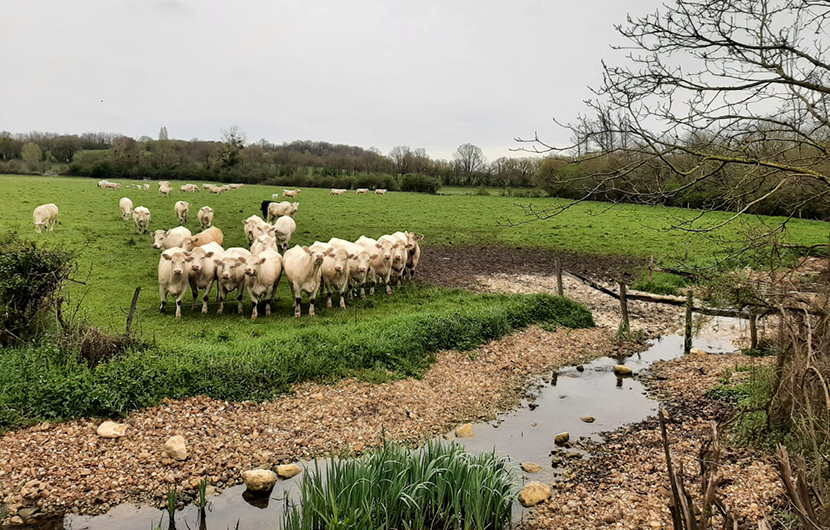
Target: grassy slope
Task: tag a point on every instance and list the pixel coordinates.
(120, 260)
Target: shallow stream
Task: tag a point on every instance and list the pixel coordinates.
(557, 402)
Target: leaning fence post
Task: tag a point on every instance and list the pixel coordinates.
(132, 310)
(651, 269)
(687, 333)
(559, 288)
(753, 330)
(624, 307)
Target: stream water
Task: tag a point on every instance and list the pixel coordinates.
(556, 403)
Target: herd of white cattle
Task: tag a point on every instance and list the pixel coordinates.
(200, 260)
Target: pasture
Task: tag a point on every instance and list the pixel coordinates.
(230, 356)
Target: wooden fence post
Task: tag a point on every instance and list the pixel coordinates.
(132, 310)
(559, 288)
(624, 307)
(687, 332)
(651, 269)
(753, 330)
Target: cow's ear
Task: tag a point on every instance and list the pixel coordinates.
(307, 250)
(352, 256)
(209, 254)
(242, 259)
(378, 245)
(217, 262)
(168, 257)
(374, 256)
(419, 237)
(331, 251)
(189, 258)
(261, 261)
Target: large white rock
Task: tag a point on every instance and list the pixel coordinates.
(535, 492)
(176, 448)
(259, 480)
(110, 429)
(288, 470)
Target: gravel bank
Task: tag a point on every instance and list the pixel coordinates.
(68, 467)
(625, 485)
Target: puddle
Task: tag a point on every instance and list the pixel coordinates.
(525, 435)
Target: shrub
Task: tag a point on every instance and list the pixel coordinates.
(437, 486)
(420, 184)
(31, 278)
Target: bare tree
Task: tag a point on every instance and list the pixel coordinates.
(401, 157)
(727, 93)
(470, 159)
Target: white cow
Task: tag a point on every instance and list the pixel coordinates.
(338, 192)
(335, 272)
(303, 269)
(362, 191)
(174, 269)
(45, 215)
(141, 216)
(283, 230)
(359, 260)
(414, 254)
(380, 267)
(266, 241)
(203, 271)
(146, 187)
(165, 190)
(205, 216)
(211, 235)
(262, 278)
(175, 237)
(254, 227)
(278, 209)
(236, 186)
(182, 210)
(380, 191)
(400, 255)
(288, 193)
(126, 206)
(230, 275)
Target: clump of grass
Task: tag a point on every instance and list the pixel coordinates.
(172, 500)
(661, 283)
(437, 486)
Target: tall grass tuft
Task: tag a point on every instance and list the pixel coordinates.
(437, 486)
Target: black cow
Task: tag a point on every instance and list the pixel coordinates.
(264, 208)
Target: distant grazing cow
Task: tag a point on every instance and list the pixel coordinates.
(230, 275)
(203, 271)
(205, 216)
(290, 193)
(146, 187)
(380, 191)
(165, 190)
(303, 269)
(263, 206)
(45, 215)
(362, 191)
(262, 278)
(126, 206)
(278, 209)
(175, 237)
(141, 216)
(189, 188)
(211, 235)
(182, 210)
(174, 269)
(236, 186)
(284, 228)
(339, 192)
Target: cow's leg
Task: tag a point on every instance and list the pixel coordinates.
(205, 298)
(163, 296)
(343, 297)
(297, 306)
(220, 297)
(254, 300)
(311, 305)
(239, 298)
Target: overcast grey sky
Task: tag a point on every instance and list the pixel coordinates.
(432, 74)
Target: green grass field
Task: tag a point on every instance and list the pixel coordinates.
(118, 260)
(228, 356)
